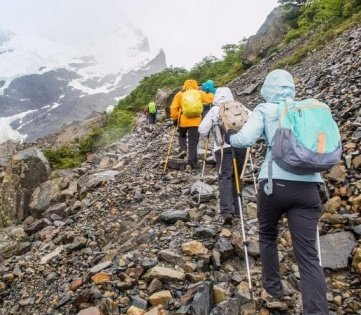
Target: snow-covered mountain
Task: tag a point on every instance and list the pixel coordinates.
(46, 84)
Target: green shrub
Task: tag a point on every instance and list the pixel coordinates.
(64, 157)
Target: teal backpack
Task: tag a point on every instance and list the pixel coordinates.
(308, 139)
(152, 108)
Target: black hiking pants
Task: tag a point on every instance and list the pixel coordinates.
(193, 138)
(300, 202)
(228, 200)
(152, 118)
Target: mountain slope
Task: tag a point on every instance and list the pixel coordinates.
(61, 85)
(97, 247)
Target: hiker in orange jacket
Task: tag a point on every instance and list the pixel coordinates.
(187, 126)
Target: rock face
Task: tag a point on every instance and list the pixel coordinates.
(271, 33)
(7, 149)
(25, 172)
(164, 98)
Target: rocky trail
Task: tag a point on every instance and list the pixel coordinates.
(118, 236)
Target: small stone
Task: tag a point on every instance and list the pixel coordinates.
(90, 311)
(135, 311)
(221, 292)
(154, 286)
(333, 204)
(251, 210)
(161, 297)
(163, 273)
(75, 284)
(2, 286)
(101, 277)
(189, 266)
(8, 277)
(194, 248)
(172, 216)
(356, 259)
(226, 233)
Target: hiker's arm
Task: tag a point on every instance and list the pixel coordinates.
(175, 106)
(206, 98)
(207, 123)
(251, 131)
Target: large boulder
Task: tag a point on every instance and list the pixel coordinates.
(26, 170)
(46, 195)
(271, 33)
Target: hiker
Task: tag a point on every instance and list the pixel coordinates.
(186, 112)
(296, 196)
(208, 88)
(151, 113)
(226, 182)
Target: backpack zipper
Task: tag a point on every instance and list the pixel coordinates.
(283, 114)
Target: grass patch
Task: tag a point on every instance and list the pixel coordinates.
(320, 39)
(118, 123)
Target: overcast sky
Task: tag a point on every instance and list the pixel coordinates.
(187, 30)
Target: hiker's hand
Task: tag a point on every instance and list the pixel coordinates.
(228, 134)
(175, 122)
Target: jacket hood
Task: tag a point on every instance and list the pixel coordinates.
(190, 84)
(209, 87)
(278, 86)
(223, 94)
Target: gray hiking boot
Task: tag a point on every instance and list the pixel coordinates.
(273, 302)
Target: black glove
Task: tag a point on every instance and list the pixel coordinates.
(175, 122)
(228, 134)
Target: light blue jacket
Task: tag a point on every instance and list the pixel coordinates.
(278, 87)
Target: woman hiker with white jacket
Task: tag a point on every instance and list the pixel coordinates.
(227, 189)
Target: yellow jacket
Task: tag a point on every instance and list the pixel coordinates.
(208, 98)
(175, 107)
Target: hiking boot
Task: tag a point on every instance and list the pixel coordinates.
(228, 220)
(273, 302)
(181, 155)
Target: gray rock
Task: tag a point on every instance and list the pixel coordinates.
(36, 226)
(205, 190)
(335, 249)
(96, 179)
(58, 210)
(46, 195)
(10, 241)
(170, 257)
(172, 216)
(100, 267)
(137, 301)
(250, 89)
(177, 164)
(225, 248)
(228, 307)
(357, 230)
(25, 172)
(205, 232)
(203, 300)
(183, 310)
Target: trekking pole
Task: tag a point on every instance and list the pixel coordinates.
(245, 243)
(318, 245)
(203, 168)
(252, 169)
(169, 149)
